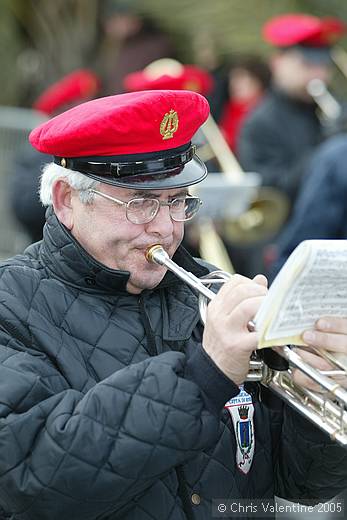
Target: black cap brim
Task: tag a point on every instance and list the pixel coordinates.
(175, 168)
(192, 172)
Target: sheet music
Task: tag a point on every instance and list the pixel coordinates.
(320, 289)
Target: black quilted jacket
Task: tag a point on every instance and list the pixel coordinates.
(110, 409)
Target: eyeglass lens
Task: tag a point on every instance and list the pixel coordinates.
(144, 210)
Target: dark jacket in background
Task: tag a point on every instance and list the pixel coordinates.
(110, 408)
(277, 140)
(321, 208)
(24, 185)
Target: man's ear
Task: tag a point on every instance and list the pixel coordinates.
(62, 202)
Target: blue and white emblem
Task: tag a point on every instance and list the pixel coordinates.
(241, 410)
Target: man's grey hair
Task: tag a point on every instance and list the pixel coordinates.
(51, 172)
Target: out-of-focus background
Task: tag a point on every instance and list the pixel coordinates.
(41, 42)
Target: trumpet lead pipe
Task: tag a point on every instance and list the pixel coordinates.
(157, 255)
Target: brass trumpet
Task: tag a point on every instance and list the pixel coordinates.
(326, 410)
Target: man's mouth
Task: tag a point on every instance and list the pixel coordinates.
(167, 247)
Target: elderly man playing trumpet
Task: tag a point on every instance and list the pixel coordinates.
(115, 401)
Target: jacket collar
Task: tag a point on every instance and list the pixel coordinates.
(68, 261)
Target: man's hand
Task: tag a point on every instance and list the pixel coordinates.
(330, 333)
(227, 339)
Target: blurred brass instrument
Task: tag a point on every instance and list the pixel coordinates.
(339, 57)
(330, 108)
(267, 210)
(327, 410)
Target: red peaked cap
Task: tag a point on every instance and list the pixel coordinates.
(78, 86)
(302, 29)
(189, 78)
(139, 138)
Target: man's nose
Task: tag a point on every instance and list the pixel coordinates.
(162, 222)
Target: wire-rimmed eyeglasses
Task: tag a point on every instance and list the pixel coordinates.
(143, 210)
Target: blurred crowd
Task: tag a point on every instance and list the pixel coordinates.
(275, 117)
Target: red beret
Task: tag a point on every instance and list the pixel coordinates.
(332, 29)
(302, 29)
(169, 74)
(76, 87)
(128, 138)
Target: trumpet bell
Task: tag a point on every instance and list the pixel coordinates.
(263, 219)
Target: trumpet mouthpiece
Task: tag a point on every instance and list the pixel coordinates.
(156, 254)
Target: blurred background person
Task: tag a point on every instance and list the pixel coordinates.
(131, 41)
(207, 53)
(279, 136)
(321, 208)
(168, 73)
(248, 80)
(23, 183)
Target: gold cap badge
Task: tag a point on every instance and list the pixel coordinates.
(169, 124)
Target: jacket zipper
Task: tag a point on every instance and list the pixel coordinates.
(153, 351)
